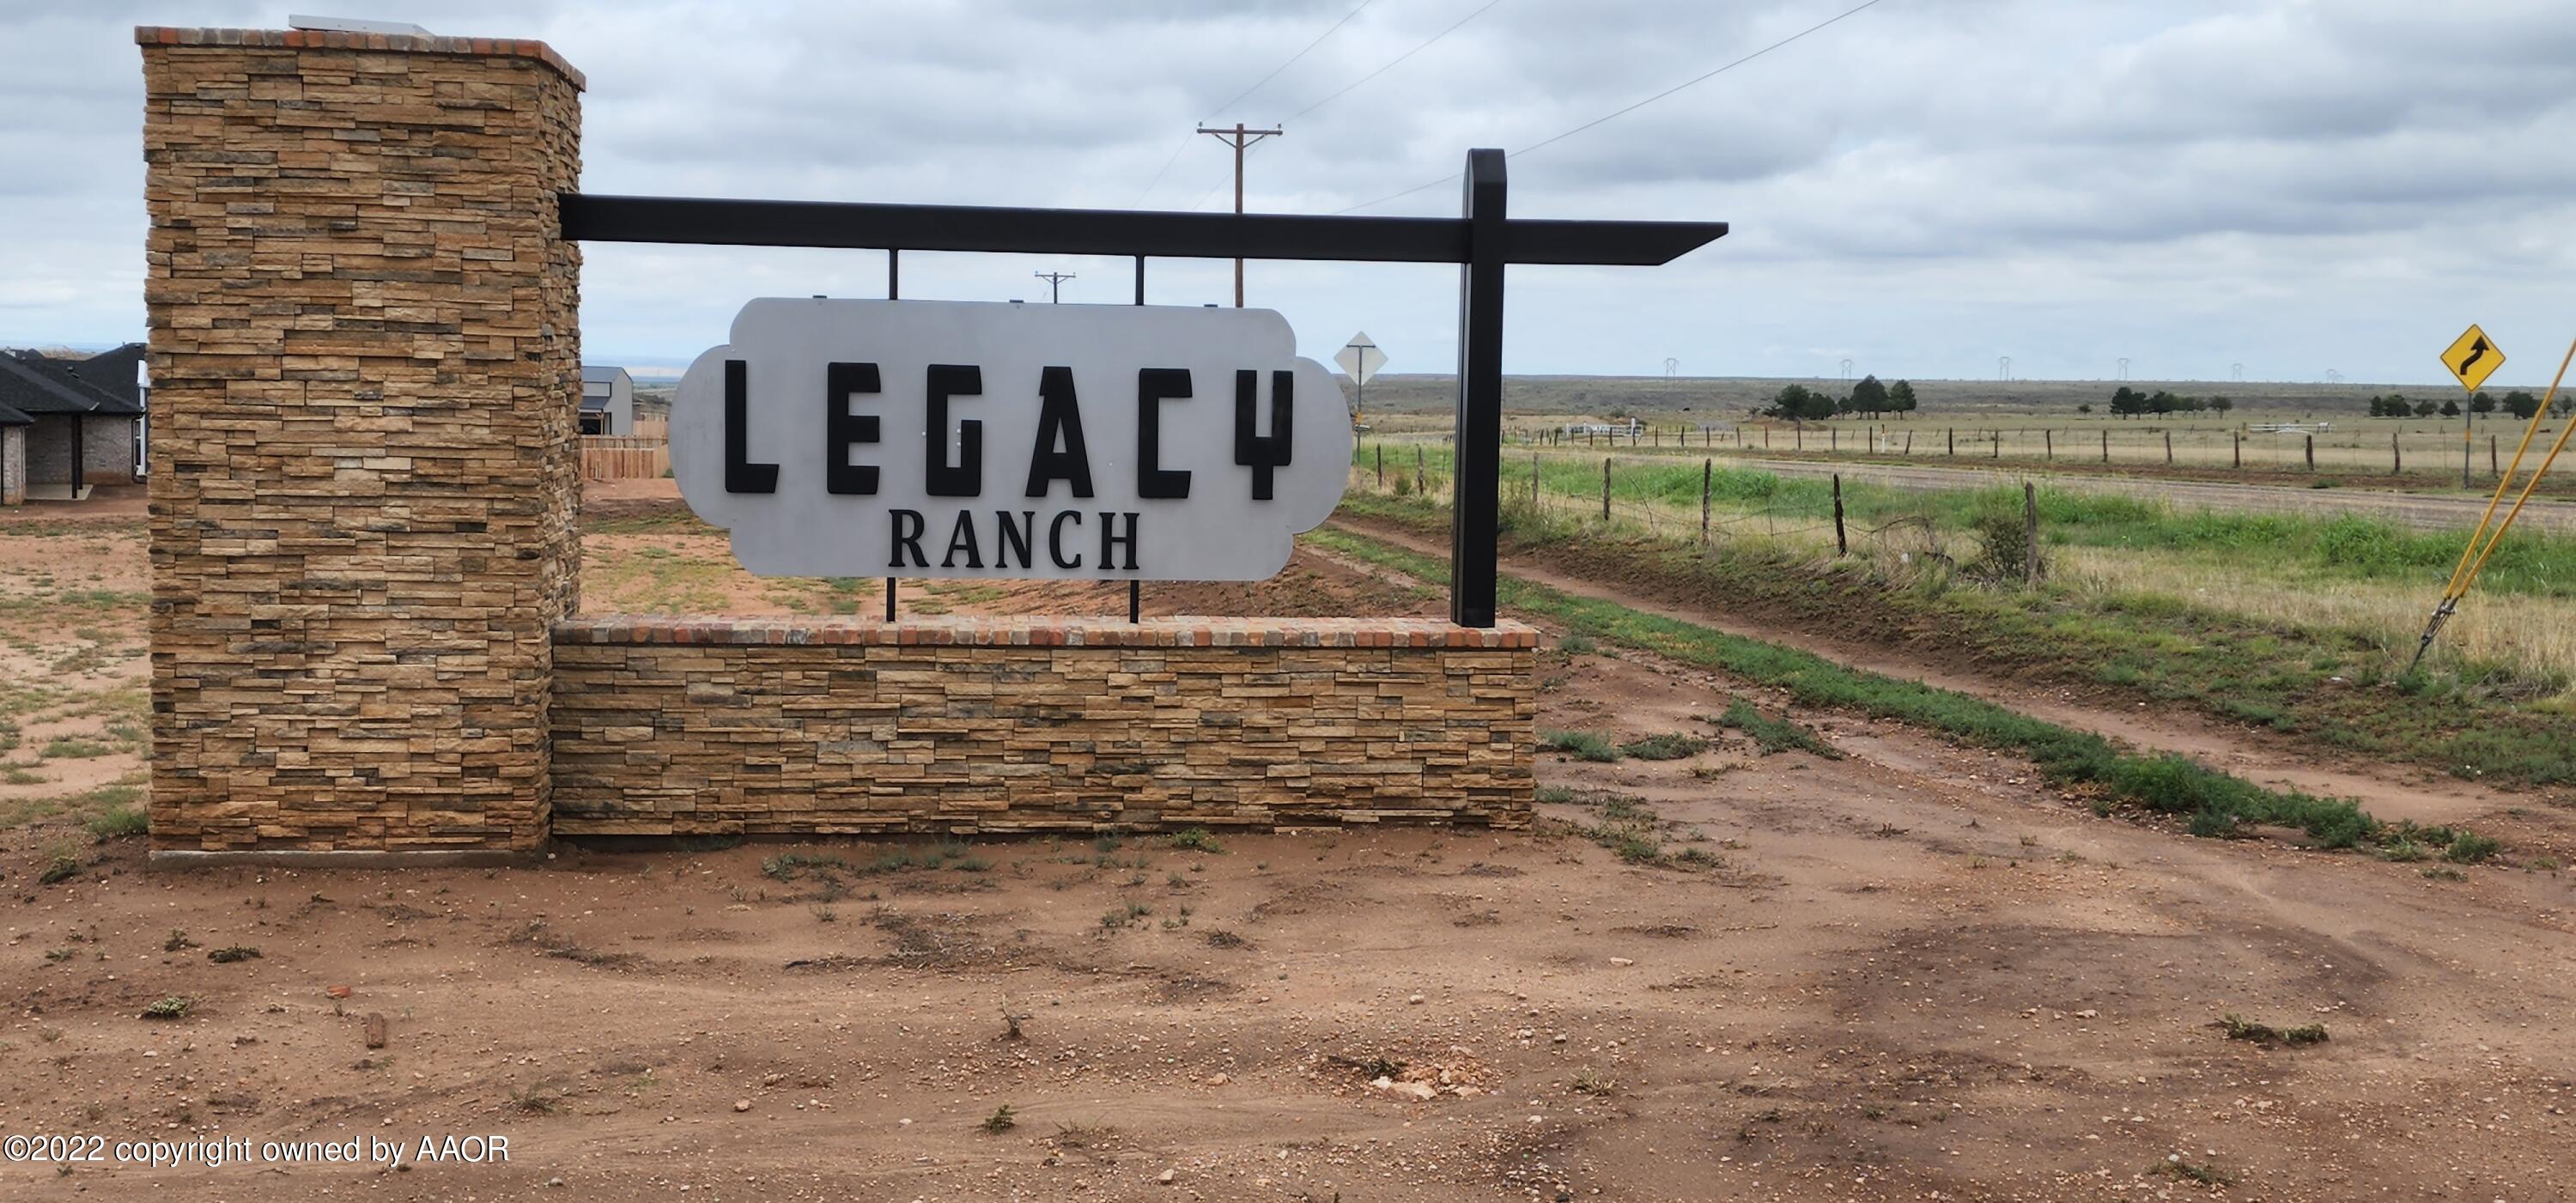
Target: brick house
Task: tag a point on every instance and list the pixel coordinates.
(13, 455)
(83, 422)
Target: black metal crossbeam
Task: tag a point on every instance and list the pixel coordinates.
(1482, 242)
(1117, 232)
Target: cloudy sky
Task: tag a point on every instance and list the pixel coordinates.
(2296, 186)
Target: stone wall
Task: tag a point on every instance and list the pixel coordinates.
(365, 356)
(666, 727)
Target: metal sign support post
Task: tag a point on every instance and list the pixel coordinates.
(1483, 242)
(1475, 473)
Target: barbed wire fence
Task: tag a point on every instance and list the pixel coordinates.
(1894, 537)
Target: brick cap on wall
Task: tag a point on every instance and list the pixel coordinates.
(325, 39)
(979, 631)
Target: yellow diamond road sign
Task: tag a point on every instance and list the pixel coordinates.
(2473, 358)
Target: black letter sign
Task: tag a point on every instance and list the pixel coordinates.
(742, 475)
(1059, 415)
(842, 428)
(1152, 386)
(965, 478)
(1263, 454)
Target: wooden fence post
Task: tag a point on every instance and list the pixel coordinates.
(2168, 448)
(1421, 478)
(1381, 465)
(2491, 455)
(2048, 444)
(2237, 438)
(1707, 471)
(1842, 540)
(1909, 442)
(1954, 442)
(2029, 536)
(2106, 444)
(1833, 438)
(1997, 450)
(2396, 457)
(1605, 489)
(2312, 453)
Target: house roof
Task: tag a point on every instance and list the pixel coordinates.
(117, 373)
(601, 374)
(11, 417)
(36, 385)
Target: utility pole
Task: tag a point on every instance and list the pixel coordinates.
(1055, 281)
(1240, 139)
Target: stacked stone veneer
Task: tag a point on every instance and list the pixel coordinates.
(366, 359)
(669, 727)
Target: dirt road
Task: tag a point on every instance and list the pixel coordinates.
(2426, 511)
(1905, 973)
(2387, 792)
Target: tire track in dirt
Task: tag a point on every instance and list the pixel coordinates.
(2382, 793)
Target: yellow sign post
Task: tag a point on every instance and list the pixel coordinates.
(2472, 357)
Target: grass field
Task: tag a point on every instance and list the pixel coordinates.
(2356, 575)
(1970, 422)
(2298, 625)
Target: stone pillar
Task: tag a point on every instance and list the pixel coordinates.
(366, 365)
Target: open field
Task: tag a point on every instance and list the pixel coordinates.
(2021, 424)
(2345, 592)
(1758, 949)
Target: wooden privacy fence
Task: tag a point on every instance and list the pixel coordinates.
(624, 457)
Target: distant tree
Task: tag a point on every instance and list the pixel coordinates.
(2424, 409)
(2085, 408)
(1869, 397)
(2164, 402)
(2128, 401)
(2481, 403)
(2221, 404)
(1798, 403)
(2450, 407)
(2563, 407)
(2521, 404)
(2193, 405)
(1900, 397)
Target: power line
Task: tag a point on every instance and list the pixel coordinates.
(1617, 113)
(1166, 168)
(1292, 61)
(1391, 63)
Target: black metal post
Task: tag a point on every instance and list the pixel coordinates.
(1136, 588)
(1474, 482)
(894, 292)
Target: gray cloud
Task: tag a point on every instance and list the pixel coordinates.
(2293, 184)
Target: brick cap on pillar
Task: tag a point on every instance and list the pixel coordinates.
(981, 631)
(329, 39)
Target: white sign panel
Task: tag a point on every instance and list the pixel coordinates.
(1361, 358)
(966, 439)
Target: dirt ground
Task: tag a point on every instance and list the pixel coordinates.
(1905, 971)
